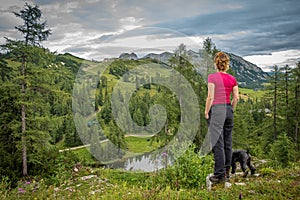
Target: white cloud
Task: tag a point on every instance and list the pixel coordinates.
(60, 6)
(279, 58)
(129, 23)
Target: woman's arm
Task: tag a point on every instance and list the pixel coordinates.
(235, 96)
(210, 98)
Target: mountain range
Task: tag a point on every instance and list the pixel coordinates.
(248, 74)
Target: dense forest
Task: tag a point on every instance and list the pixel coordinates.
(51, 101)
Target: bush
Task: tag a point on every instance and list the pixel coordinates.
(282, 152)
(4, 187)
(267, 171)
(188, 171)
(60, 168)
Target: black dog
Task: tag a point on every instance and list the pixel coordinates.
(244, 158)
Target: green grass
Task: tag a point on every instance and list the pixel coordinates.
(140, 145)
(77, 59)
(135, 146)
(118, 184)
(85, 156)
(252, 94)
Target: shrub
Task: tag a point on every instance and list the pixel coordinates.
(282, 151)
(188, 171)
(5, 187)
(267, 171)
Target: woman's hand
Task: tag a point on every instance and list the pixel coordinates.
(206, 115)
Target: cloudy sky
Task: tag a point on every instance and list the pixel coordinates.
(265, 32)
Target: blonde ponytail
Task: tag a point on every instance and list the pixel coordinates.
(222, 61)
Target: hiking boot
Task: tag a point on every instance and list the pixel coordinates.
(217, 179)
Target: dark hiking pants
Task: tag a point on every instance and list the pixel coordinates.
(220, 126)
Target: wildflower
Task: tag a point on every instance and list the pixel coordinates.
(164, 154)
(21, 190)
(27, 183)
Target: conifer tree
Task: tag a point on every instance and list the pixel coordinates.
(4, 70)
(295, 101)
(209, 50)
(34, 32)
(275, 101)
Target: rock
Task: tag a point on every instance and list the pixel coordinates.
(241, 184)
(88, 177)
(227, 185)
(163, 57)
(239, 173)
(127, 56)
(208, 182)
(75, 169)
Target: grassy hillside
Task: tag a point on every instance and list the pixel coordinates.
(247, 93)
(100, 183)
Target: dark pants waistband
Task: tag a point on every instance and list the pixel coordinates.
(222, 104)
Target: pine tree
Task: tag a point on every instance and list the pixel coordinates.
(209, 50)
(33, 32)
(283, 100)
(117, 137)
(4, 70)
(275, 101)
(244, 125)
(285, 109)
(295, 101)
(209, 47)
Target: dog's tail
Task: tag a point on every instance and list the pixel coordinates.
(248, 150)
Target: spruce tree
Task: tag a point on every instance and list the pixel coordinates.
(34, 32)
(295, 101)
(275, 101)
(209, 50)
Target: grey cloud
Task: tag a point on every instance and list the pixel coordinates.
(261, 43)
(150, 33)
(106, 15)
(78, 49)
(98, 53)
(104, 38)
(270, 26)
(45, 2)
(92, 16)
(8, 21)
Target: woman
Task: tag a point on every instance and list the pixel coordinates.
(219, 113)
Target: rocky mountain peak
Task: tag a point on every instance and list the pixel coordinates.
(128, 56)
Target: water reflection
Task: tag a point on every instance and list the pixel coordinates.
(146, 163)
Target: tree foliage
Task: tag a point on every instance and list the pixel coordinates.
(35, 109)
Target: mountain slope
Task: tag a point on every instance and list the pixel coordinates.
(248, 74)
